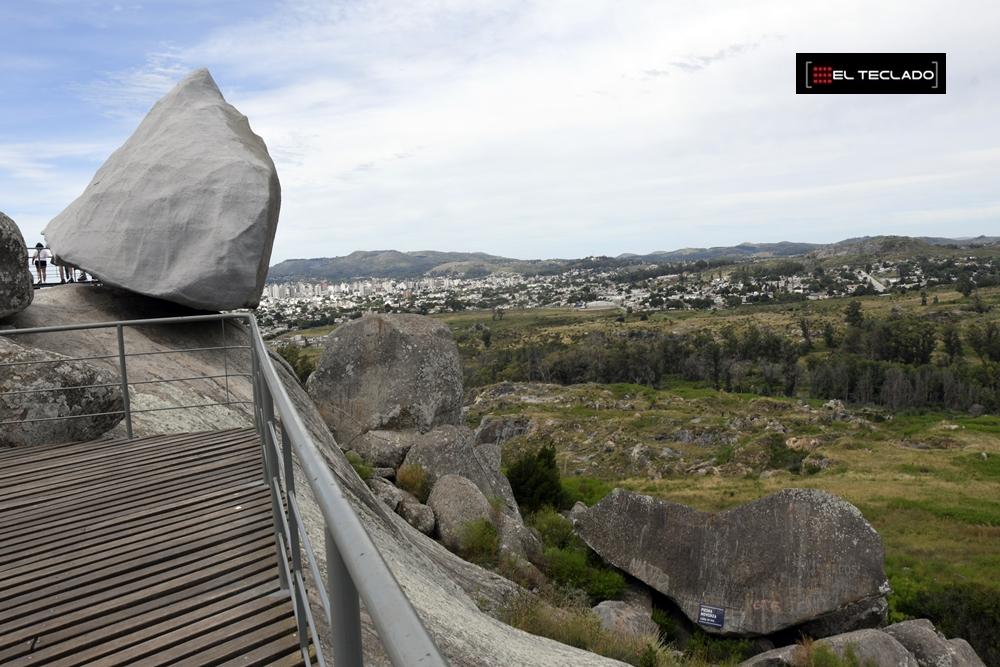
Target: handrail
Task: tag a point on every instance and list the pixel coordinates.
(355, 568)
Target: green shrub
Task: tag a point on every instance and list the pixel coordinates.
(534, 478)
(586, 490)
(555, 529)
(480, 543)
(300, 362)
(716, 650)
(364, 470)
(571, 567)
(413, 478)
(576, 625)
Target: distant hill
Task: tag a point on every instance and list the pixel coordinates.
(398, 265)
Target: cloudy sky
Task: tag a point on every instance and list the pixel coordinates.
(527, 129)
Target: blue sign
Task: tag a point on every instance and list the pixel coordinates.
(713, 617)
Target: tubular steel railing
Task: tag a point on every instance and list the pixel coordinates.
(355, 569)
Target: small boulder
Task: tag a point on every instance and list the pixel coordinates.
(16, 283)
(388, 493)
(789, 558)
(383, 448)
(870, 647)
(517, 539)
(497, 429)
(388, 372)
(64, 375)
(622, 618)
(928, 646)
(418, 515)
(456, 503)
(184, 211)
(449, 450)
(965, 655)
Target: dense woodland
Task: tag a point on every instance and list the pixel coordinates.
(898, 361)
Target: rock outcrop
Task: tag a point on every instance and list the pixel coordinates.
(388, 372)
(16, 284)
(930, 648)
(449, 450)
(185, 210)
(457, 502)
(787, 559)
(872, 648)
(385, 449)
(72, 409)
(621, 617)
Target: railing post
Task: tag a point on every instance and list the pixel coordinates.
(123, 375)
(345, 626)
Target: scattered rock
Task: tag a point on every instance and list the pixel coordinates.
(929, 647)
(383, 448)
(517, 539)
(976, 410)
(184, 211)
(388, 493)
(388, 372)
(965, 655)
(16, 283)
(62, 374)
(456, 503)
(418, 515)
(814, 463)
(498, 429)
(789, 558)
(871, 645)
(384, 473)
(801, 444)
(577, 511)
(448, 450)
(621, 617)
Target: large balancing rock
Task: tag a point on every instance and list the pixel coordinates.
(185, 210)
(16, 290)
(388, 372)
(795, 558)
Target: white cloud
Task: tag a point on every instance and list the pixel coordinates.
(580, 127)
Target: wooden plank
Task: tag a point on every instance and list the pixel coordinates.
(81, 574)
(126, 550)
(175, 488)
(32, 462)
(183, 643)
(233, 607)
(258, 573)
(156, 533)
(101, 526)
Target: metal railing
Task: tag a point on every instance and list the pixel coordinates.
(355, 569)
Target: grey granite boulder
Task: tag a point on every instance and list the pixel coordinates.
(184, 211)
(778, 562)
(871, 648)
(929, 647)
(417, 515)
(16, 284)
(497, 429)
(60, 373)
(621, 617)
(456, 503)
(449, 450)
(388, 493)
(384, 448)
(387, 372)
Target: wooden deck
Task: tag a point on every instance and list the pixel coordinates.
(151, 551)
